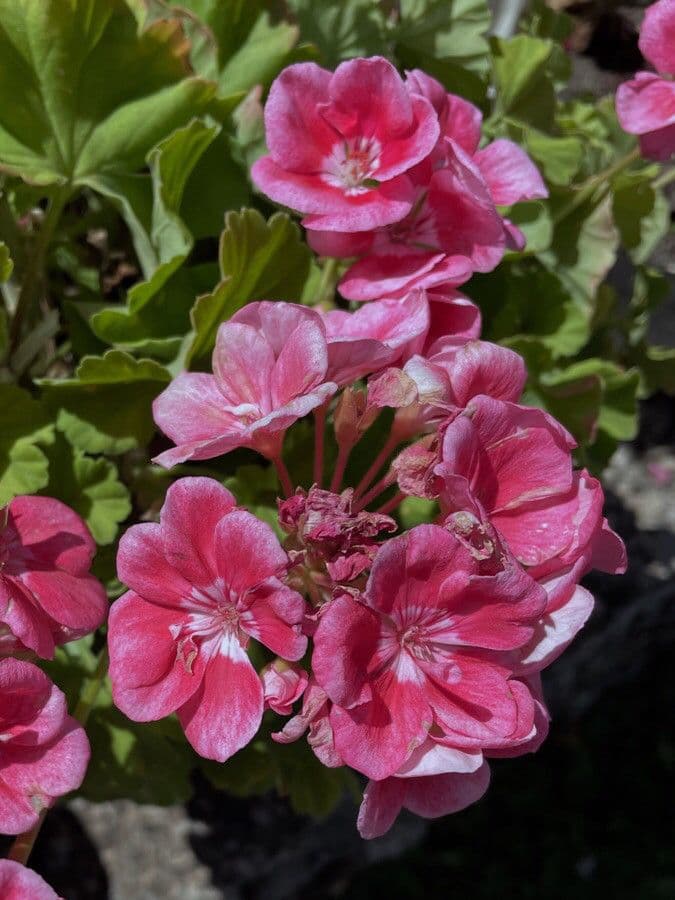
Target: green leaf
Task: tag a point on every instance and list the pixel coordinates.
(24, 424)
(258, 260)
(236, 43)
(89, 486)
(524, 90)
(558, 157)
(341, 29)
(452, 30)
(6, 264)
(534, 220)
(641, 213)
(83, 93)
(148, 762)
(106, 407)
(151, 203)
(584, 248)
(417, 511)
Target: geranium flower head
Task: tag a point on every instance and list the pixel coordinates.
(270, 367)
(203, 582)
(645, 105)
(47, 595)
(341, 143)
(43, 752)
(420, 648)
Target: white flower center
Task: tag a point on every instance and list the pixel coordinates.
(352, 163)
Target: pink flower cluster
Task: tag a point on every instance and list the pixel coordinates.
(414, 658)
(47, 597)
(645, 105)
(390, 171)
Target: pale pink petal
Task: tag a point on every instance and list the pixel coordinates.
(152, 672)
(510, 173)
(646, 103)
(273, 617)
(192, 409)
(243, 362)
(556, 631)
(301, 364)
(19, 883)
(657, 36)
(432, 758)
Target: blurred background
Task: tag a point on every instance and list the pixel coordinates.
(590, 815)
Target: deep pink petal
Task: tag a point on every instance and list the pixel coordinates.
(142, 566)
(191, 511)
(441, 795)
(248, 551)
(659, 145)
(344, 643)
(328, 208)
(32, 708)
(273, 618)
(22, 615)
(78, 602)
(298, 137)
(52, 533)
(225, 713)
(463, 124)
(480, 367)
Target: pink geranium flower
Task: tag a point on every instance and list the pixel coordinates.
(423, 647)
(453, 228)
(270, 368)
(645, 105)
(47, 596)
(203, 582)
(19, 883)
(43, 752)
(342, 142)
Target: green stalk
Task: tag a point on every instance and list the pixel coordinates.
(35, 264)
(587, 190)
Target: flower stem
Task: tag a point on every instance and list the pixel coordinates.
(319, 427)
(390, 445)
(588, 188)
(284, 477)
(23, 844)
(326, 291)
(35, 265)
(344, 451)
(664, 178)
(391, 505)
(378, 488)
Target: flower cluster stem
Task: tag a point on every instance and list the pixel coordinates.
(344, 452)
(319, 428)
(390, 445)
(34, 271)
(284, 477)
(391, 504)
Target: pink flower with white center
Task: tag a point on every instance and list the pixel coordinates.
(47, 596)
(43, 752)
(453, 228)
(342, 142)
(425, 646)
(645, 105)
(430, 797)
(203, 582)
(283, 684)
(378, 335)
(270, 368)
(19, 883)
